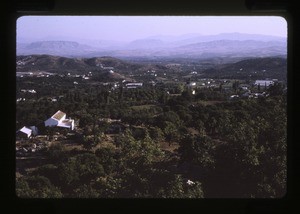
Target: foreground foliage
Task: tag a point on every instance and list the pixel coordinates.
(227, 149)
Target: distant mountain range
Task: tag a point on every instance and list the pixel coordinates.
(185, 46)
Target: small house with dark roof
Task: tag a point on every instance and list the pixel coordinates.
(59, 119)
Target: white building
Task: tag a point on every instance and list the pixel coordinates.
(59, 119)
(192, 84)
(266, 83)
(134, 85)
(24, 132)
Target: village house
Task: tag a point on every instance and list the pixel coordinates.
(191, 84)
(24, 132)
(27, 132)
(134, 85)
(266, 83)
(59, 119)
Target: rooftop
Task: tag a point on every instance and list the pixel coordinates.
(67, 122)
(26, 130)
(58, 115)
(264, 82)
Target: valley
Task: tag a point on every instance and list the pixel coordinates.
(151, 127)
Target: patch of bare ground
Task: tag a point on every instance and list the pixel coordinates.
(71, 145)
(166, 146)
(193, 131)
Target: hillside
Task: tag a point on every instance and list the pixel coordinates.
(110, 68)
(268, 67)
(57, 64)
(233, 48)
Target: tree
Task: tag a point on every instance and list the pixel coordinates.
(179, 88)
(139, 153)
(80, 169)
(56, 152)
(86, 119)
(170, 132)
(92, 136)
(106, 158)
(156, 134)
(255, 153)
(187, 95)
(36, 187)
(197, 150)
(85, 191)
(235, 85)
(178, 189)
(200, 127)
(276, 89)
(88, 142)
(49, 171)
(163, 98)
(109, 187)
(150, 151)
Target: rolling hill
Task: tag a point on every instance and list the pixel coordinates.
(255, 68)
(110, 68)
(63, 65)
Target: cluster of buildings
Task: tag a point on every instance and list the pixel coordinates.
(32, 91)
(83, 76)
(34, 74)
(266, 83)
(58, 119)
(249, 95)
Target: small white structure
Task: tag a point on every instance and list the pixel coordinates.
(235, 96)
(59, 119)
(192, 84)
(24, 132)
(244, 87)
(32, 91)
(266, 83)
(189, 182)
(134, 85)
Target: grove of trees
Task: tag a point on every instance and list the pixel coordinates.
(171, 146)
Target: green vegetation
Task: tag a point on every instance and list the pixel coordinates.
(155, 141)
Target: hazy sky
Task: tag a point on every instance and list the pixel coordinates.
(128, 28)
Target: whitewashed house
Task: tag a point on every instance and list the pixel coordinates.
(266, 83)
(134, 85)
(24, 132)
(59, 119)
(191, 84)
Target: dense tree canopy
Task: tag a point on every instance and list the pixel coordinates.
(166, 145)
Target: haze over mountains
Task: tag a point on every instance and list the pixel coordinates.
(184, 46)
